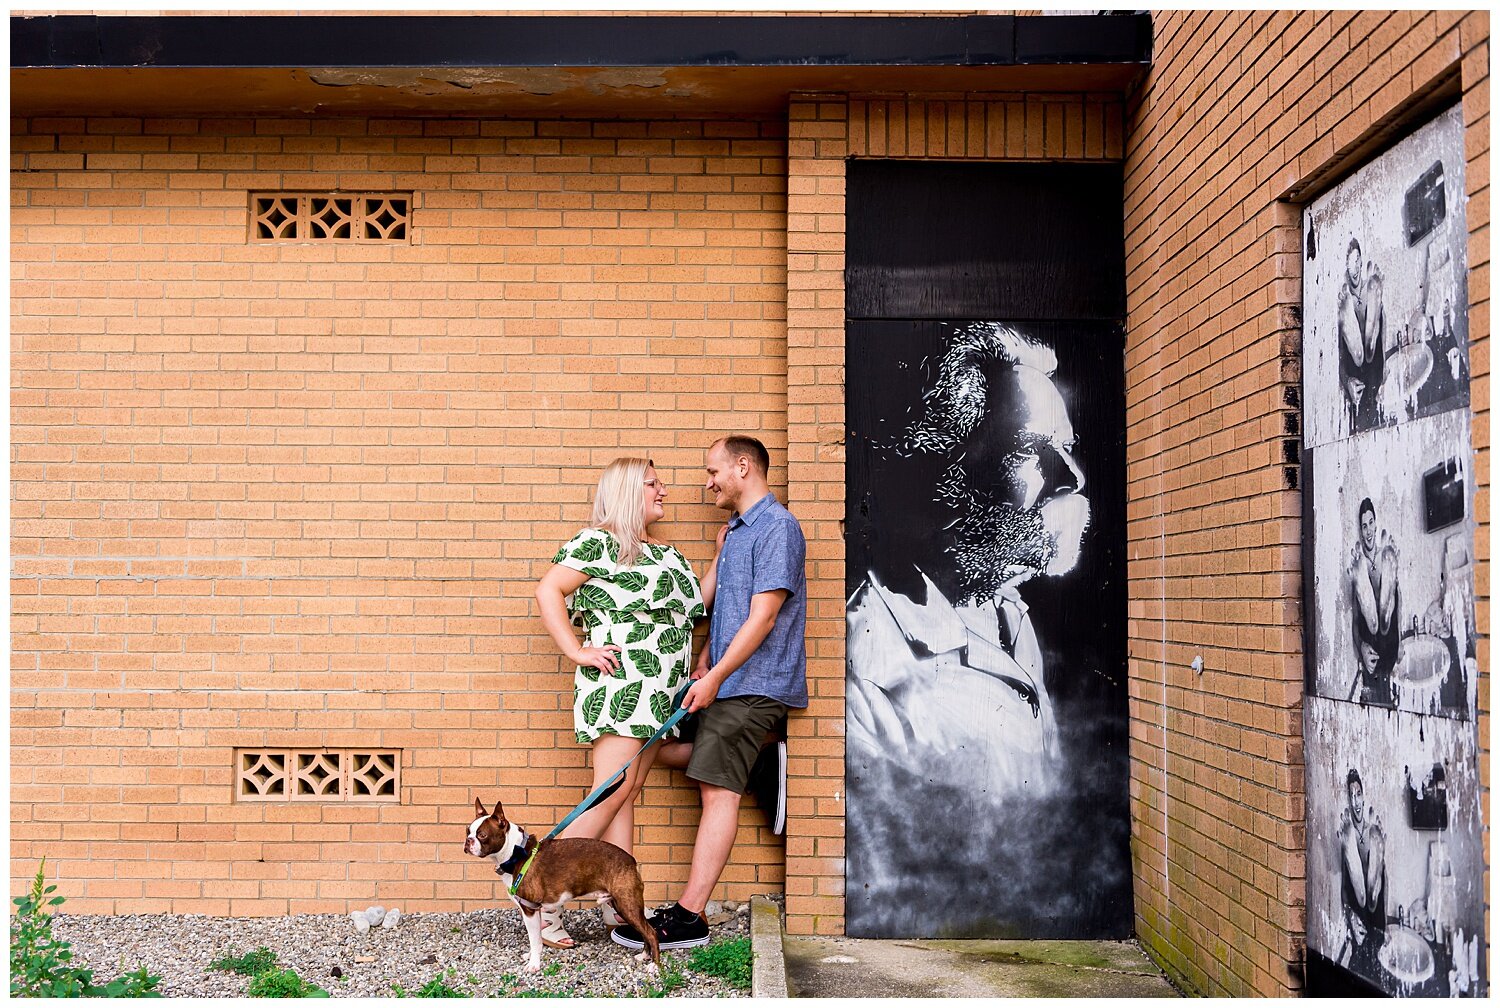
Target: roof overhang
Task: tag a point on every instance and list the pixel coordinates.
(524, 65)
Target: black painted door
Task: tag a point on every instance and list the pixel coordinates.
(987, 761)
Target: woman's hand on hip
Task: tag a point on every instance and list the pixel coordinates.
(606, 659)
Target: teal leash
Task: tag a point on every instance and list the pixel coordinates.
(609, 787)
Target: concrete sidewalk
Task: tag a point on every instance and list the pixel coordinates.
(868, 967)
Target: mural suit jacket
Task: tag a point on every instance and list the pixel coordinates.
(933, 686)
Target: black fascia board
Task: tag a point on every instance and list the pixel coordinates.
(180, 41)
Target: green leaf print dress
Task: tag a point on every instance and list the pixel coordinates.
(647, 610)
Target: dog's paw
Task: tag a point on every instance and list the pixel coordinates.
(532, 968)
(651, 969)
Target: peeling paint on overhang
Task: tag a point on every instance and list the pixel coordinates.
(479, 80)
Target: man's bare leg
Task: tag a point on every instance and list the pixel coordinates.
(674, 754)
(716, 833)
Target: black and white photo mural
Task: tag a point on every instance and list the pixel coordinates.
(986, 731)
(1395, 864)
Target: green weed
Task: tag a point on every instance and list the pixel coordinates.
(250, 964)
(276, 983)
(728, 959)
(41, 965)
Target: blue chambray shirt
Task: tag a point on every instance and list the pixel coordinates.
(763, 551)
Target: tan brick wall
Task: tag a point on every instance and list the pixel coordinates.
(817, 132)
(299, 495)
(824, 130)
(1240, 108)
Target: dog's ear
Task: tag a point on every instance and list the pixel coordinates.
(479, 807)
(499, 812)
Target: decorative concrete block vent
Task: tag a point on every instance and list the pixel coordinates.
(335, 217)
(326, 775)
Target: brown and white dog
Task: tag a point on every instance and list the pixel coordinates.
(564, 868)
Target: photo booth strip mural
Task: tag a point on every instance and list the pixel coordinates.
(1385, 289)
(1395, 859)
(1392, 576)
(1395, 867)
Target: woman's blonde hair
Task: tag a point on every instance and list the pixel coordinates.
(617, 506)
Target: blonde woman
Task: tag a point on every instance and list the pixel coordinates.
(636, 598)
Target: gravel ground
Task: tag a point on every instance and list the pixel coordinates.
(479, 954)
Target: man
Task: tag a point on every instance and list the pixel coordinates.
(1361, 338)
(1377, 609)
(752, 672)
(945, 671)
(1362, 873)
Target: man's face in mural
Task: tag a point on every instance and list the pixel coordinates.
(1367, 529)
(1015, 486)
(1356, 802)
(1352, 267)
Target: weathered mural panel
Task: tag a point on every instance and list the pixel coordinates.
(987, 760)
(1395, 864)
(986, 713)
(1385, 290)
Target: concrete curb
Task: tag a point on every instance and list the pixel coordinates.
(767, 958)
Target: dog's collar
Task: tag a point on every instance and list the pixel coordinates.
(516, 859)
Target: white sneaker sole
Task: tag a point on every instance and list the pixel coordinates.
(629, 943)
(778, 823)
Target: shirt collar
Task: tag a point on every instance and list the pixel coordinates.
(756, 510)
(936, 625)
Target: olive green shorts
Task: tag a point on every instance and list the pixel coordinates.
(729, 737)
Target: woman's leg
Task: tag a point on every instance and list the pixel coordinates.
(611, 752)
(620, 830)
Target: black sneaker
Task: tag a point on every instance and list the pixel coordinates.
(768, 784)
(675, 928)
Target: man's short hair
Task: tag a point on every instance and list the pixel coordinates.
(1366, 505)
(959, 399)
(1353, 247)
(1353, 779)
(743, 444)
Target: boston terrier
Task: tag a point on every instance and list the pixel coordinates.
(564, 868)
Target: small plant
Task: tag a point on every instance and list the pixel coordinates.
(437, 988)
(398, 991)
(728, 959)
(283, 984)
(138, 984)
(670, 980)
(250, 964)
(552, 969)
(41, 965)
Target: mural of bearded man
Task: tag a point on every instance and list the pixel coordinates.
(944, 666)
(984, 690)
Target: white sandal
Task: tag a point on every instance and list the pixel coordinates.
(553, 933)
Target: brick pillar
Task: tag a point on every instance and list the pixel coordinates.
(816, 147)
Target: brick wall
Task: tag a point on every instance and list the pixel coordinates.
(1239, 109)
(299, 495)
